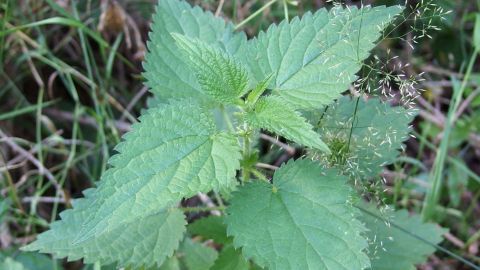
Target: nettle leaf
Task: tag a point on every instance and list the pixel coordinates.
(211, 227)
(230, 259)
(31, 260)
(272, 114)
(364, 136)
(219, 74)
(11, 264)
(391, 248)
(173, 153)
(168, 72)
(197, 256)
(131, 243)
(258, 90)
(314, 58)
(302, 221)
(171, 263)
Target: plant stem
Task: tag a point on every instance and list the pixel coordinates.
(11, 185)
(285, 9)
(227, 119)
(246, 154)
(433, 194)
(219, 199)
(255, 14)
(354, 117)
(259, 175)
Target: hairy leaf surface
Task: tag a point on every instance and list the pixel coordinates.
(168, 72)
(173, 153)
(272, 114)
(391, 248)
(314, 58)
(219, 74)
(301, 221)
(133, 243)
(364, 136)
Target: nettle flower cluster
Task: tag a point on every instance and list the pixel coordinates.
(213, 90)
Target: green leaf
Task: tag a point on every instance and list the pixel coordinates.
(173, 153)
(168, 72)
(4, 207)
(197, 256)
(259, 89)
(476, 32)
(457, 178)
(363, 136)
(272, 114)
(211, 227)
(230, 259)
(393, 249)
(220, 75)
(302, 221)
(171, 263)
(11, 264)
(36, 261)
(132, 244)
(315, 58)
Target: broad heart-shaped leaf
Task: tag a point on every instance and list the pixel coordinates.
(391, 248)
(272, 114)
(134, 243)
(374, 129)
(315, 58)
(173, 153)
(219, 74)
(302, 221)
(168, 72)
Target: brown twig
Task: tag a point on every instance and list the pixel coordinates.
(290, 150)
(41, 169)
(266, 166)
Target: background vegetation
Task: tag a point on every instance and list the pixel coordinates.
(71, 84)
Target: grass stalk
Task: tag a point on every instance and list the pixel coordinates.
(436, 176)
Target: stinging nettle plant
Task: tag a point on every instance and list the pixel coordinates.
(213, 91)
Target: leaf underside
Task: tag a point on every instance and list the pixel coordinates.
(302, 221)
